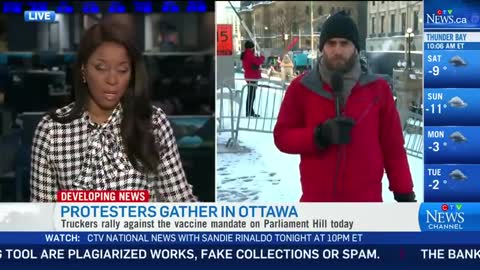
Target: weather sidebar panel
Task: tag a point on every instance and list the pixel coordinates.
(452, 102)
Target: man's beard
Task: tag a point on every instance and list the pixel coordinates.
(341, 67)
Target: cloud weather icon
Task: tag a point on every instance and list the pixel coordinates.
(457, 61)
(457, 102)
(457, 175)
(458, 137)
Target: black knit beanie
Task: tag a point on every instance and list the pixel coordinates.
(339, 25)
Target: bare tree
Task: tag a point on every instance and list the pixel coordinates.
(285, 22)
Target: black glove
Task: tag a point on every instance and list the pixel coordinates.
(334, 131)
(408, 197)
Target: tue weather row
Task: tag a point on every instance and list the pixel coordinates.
(452, 183)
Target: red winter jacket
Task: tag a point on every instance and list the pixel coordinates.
(252, 64)
(352, 172)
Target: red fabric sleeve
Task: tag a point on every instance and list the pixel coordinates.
(290, 133)
(392, 143)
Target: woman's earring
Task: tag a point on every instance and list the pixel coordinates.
(83, 76)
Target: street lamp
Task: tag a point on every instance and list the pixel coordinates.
(285, 40)
(409, 37)
(265, 37)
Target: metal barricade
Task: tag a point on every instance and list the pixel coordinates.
(268, 99)
(413, 135)
(269, 95)
(232, 116)
(226, 119)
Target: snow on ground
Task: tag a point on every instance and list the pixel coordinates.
(264, 174)
(261, 173)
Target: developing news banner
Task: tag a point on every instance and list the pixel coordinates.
(120, 229)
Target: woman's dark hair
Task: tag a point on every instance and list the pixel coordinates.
(248, 45)
(136, 125)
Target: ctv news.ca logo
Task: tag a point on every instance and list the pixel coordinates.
(448, 217)
(446, 16)
(39, 16)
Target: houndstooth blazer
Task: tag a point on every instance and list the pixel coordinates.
(83, 155)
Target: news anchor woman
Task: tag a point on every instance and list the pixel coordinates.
(111, 137)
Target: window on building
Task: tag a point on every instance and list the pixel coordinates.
(415, 21)
(383, 2)
(382, 22)
(332, 11)
(307, 10)
(404, 22)
(320, 10)
(373, 3)
(392, 23)
(373, 25)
